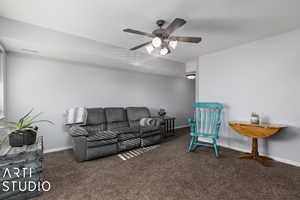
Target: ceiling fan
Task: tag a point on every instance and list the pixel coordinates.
(162, 38)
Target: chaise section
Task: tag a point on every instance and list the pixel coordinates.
(93, 140)
(128, 137)
(150, 135)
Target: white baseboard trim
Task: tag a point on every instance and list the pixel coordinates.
(57, 149)
(283, 160)
(182, 126)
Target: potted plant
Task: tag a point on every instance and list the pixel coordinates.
(23, 131)
(162, 113)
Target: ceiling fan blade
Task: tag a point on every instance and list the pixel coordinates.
(186, 39)
(177, 23)
(128, 30)
(139, 46)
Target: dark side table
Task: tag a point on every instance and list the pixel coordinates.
(168, 126)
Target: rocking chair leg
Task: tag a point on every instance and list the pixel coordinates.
(195, 141)
(191, 145)
(216, 148)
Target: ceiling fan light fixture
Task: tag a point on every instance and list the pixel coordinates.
(156, 42)
(162, 39)
(173, 44)
(164, 51)
(149, 48)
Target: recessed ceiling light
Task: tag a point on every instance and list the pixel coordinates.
(191, 75)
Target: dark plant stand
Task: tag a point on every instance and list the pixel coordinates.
(27, 156)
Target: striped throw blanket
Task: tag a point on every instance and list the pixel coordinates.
(149, 122)
(76, 116)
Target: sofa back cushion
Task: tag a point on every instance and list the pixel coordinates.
(134, 114)
(95, 116)
(116, 117)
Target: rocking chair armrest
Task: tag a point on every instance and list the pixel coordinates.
(192, 124)
(219, 124)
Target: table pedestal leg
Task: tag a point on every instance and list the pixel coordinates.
(254, 155)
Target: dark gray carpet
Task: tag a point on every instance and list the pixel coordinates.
(169, 172)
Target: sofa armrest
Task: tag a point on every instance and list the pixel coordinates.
(154, 122)
(76, 131)
(80, 148)
(159, 121)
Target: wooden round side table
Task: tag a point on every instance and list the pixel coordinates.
(255, 131)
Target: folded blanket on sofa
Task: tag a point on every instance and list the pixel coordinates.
(150, 122)
(76, 115)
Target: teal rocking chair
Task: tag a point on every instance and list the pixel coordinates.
(206, 124)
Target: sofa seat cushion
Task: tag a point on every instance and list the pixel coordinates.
(98, 143)
(102, 135)
(128, 136)
(125, 129)
(149, 128)
(94, 129)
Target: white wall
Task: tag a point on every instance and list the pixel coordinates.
(192, 66)
(52, 87)
(262, 77)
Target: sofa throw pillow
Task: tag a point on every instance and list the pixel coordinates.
(149, 122)
(76, 115)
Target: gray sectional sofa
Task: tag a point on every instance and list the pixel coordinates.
(111, 130)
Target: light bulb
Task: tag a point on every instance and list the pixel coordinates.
(164, 51)
(149, 48)
(156, 42)
(173, 44)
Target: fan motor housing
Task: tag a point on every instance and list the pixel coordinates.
(161, 32)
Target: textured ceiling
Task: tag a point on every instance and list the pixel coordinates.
(222, 24)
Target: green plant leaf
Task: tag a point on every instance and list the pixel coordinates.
(8, 127)
(34, 117)
(12, 123)
(24, 117)
(25, 123)
(39, 121)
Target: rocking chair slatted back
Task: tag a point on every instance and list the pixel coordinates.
(207, 118)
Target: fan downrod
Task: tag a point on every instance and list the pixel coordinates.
(160, 22)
